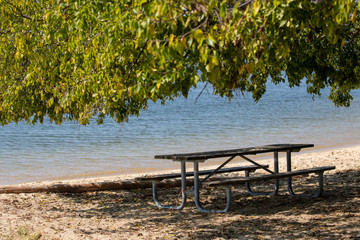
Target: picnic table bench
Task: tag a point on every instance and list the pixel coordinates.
(228, 183)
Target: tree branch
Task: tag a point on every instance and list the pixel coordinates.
(19, 12)
(138, 57)
(317, 1)
(202, 90)
(4, 32)
(197, 27)
(244, 4)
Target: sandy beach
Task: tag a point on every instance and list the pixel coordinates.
(131, 214)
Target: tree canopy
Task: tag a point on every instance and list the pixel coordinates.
(79, 59)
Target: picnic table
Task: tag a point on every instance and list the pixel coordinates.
(230, 155)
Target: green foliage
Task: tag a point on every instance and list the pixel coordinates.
(23, 232)
(76, 59)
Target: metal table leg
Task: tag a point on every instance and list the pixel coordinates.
(289, 180)
(288, 168)
(183, 191)
(276, 185)
(197, 193)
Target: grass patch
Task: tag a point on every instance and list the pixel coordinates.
(23, 232)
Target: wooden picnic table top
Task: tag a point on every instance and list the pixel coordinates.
(201, 156)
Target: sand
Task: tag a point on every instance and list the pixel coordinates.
(131, 214)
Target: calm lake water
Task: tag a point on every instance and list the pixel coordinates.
(283, 115)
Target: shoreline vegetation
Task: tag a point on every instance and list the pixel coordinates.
(131, 213)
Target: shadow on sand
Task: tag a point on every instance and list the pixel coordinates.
(334, 215)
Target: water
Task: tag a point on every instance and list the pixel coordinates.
(283, 115)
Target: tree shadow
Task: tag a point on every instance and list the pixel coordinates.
(250, 216)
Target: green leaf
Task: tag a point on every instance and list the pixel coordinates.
(256, 7)
(198, 35)
(211, 40)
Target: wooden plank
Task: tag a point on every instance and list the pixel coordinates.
(198, 156)
(204, 172)
(239, 180)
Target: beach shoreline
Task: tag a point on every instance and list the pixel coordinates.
(132, 214)
(317, 152)
(134, 171)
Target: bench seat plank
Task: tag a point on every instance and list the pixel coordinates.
(239, 180)
(203, 172)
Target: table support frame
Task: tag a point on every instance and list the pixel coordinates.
(277, 183)
(289, 180)
(197, 193)
(183, 191)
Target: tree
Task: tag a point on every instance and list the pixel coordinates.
(77, 59)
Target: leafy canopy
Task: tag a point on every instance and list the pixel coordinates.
(79, 59)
